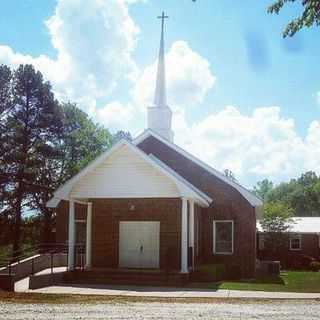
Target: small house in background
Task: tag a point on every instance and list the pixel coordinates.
(299, 247)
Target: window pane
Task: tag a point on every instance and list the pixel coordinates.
(223, 237)
(295, 243)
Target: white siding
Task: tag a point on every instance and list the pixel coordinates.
(125, 174)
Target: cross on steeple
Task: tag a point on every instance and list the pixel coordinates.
(160, 99)
(162, 17)
(159, 114)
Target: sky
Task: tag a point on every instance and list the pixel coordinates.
(243, 98)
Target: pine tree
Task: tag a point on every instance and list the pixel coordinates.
(32, 124)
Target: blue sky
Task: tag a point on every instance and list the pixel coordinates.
(243, 74)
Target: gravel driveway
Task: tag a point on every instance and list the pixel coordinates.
(269, 310)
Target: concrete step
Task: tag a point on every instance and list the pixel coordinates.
(120, 277)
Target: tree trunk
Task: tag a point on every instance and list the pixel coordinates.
(17, 218)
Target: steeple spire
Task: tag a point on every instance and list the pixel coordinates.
(160, 98)
(160, 115)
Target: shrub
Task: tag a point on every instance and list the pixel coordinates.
(315, 266)
(299, 261)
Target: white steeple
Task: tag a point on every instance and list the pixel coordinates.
(160, 115)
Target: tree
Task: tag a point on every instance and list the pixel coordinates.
(309, 17)
(277, 220)
(6, 104)
(230, 175)
(302, 194)
(31, 120)
(263, 188)
(121, 135)
(43, 144)
(82, 141)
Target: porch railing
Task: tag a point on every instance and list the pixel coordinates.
(39, 257)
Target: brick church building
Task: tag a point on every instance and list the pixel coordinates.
(148, 204)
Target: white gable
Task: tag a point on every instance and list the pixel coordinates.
(124, 174)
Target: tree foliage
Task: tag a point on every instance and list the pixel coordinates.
(277, 217)
(263, 188)
(83, 140)
(301, 194)
(310, 15)
(121, 135)
(277, 220)
(30, 122)
(43, 144)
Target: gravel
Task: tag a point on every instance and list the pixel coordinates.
(270, 310)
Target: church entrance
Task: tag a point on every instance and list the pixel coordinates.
(139, 243)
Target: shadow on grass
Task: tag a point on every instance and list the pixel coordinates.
(263, 280)
(253, 284)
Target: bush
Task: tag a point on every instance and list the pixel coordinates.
(315, 266)
(299, 261)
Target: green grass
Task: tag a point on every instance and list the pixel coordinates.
(290, 281)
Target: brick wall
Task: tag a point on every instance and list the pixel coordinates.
(228, 203)
(309, 247)
(106, 214)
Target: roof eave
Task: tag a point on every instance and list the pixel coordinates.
(251, 198)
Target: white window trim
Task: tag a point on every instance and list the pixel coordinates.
(296, 236)
(214, 238)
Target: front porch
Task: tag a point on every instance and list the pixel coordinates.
(138, 213)
(154, 236)
(119, 276)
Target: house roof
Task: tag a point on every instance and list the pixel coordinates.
(301, 225)
(186, 189)
(249, 196)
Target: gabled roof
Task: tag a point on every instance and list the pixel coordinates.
(187, 190)
(301, 225)
(179, 177)
(249, 196)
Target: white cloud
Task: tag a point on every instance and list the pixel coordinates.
(115, 115)
(94, 42)
(189, 78)
(255, 146)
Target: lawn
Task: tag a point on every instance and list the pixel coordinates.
(289, 281)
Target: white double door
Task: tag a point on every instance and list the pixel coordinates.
(139, 244)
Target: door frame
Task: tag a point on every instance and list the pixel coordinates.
(158, 249)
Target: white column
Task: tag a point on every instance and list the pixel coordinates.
(88, 238)
(71, 236)
(184, 236)
(191, 229)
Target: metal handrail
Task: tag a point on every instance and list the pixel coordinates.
(31, 251)
(56, 248)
